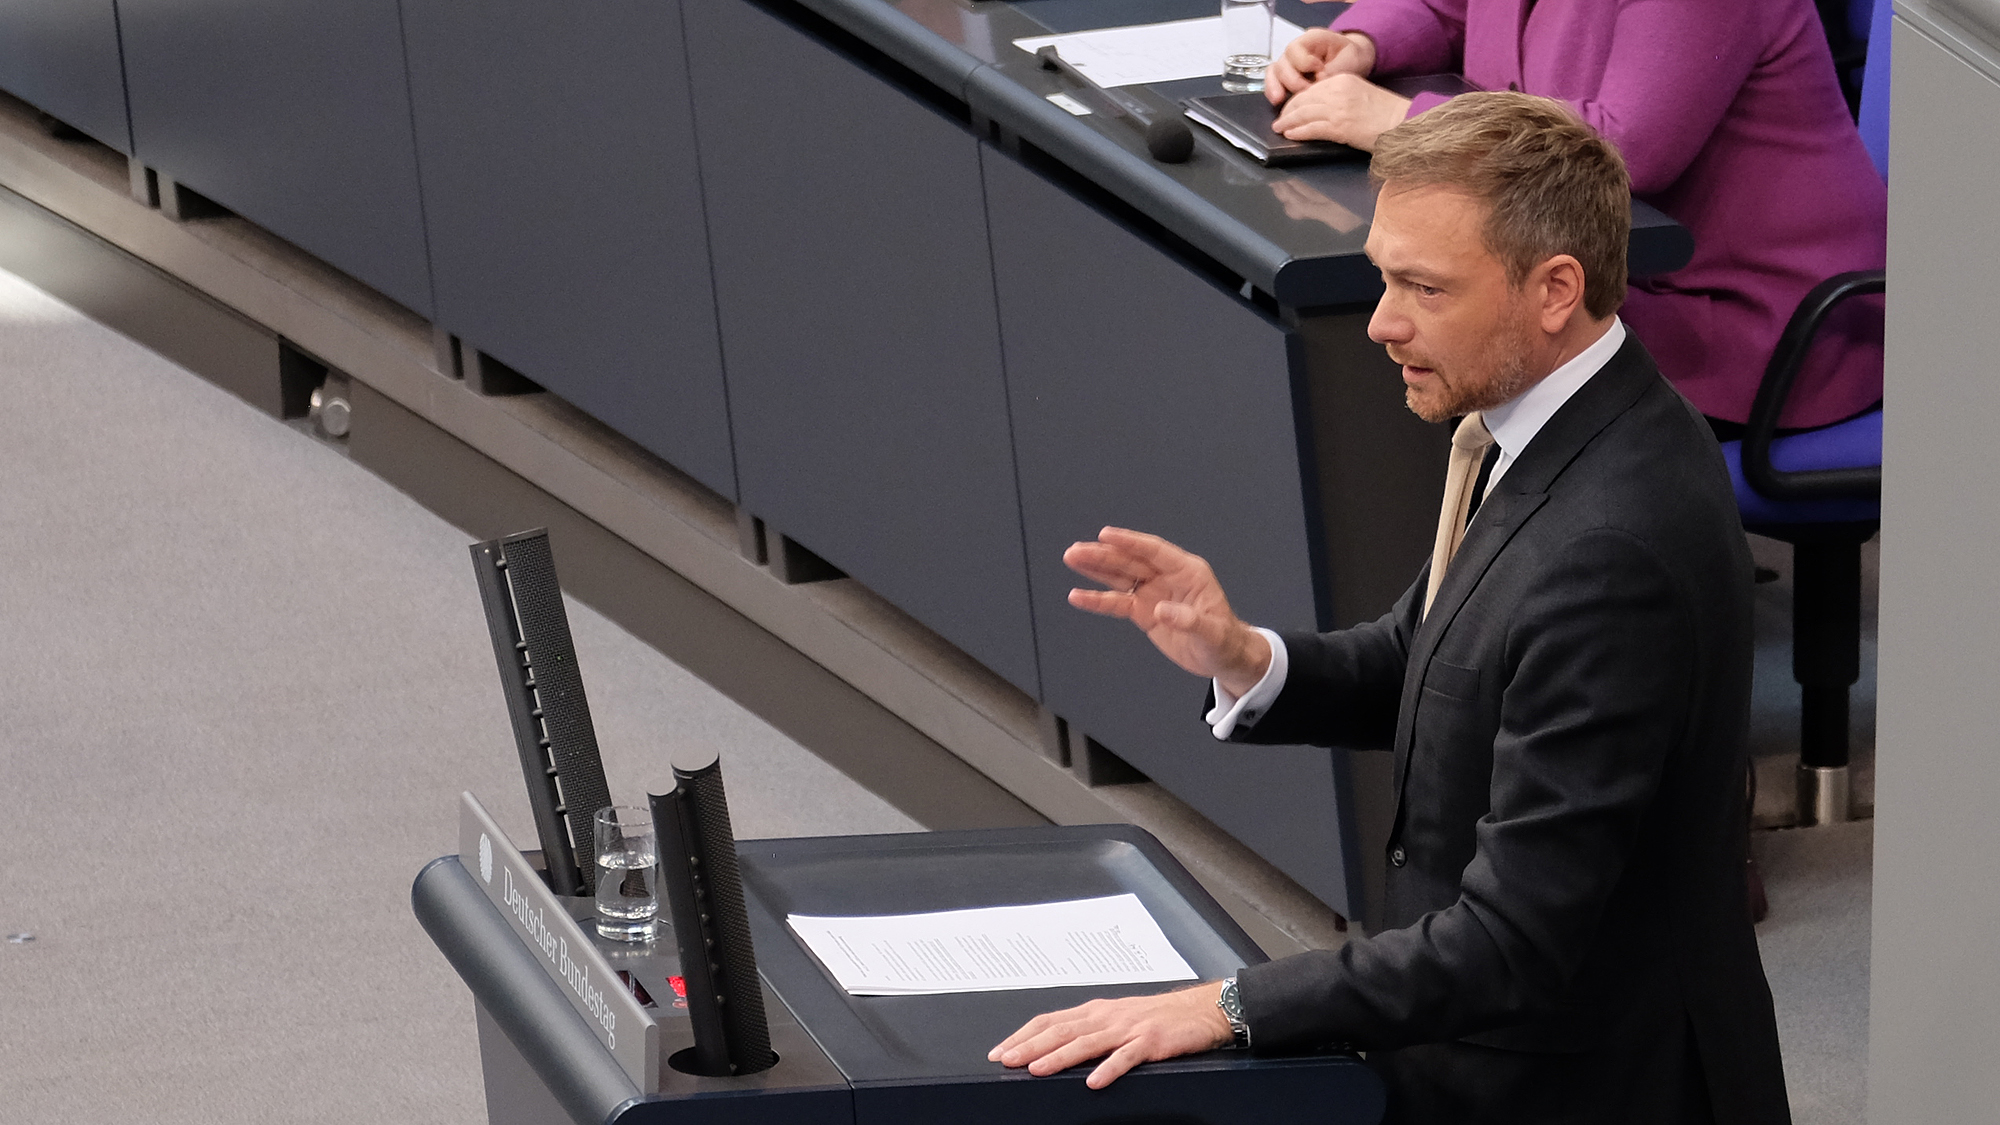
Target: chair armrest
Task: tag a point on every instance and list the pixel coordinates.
(1864, 482)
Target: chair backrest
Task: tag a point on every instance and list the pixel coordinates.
(1874, 118)
(1860, 19)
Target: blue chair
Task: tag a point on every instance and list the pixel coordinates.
(1820, 491)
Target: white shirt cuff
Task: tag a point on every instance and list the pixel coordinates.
(1230, 712)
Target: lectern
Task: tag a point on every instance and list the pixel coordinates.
(573, 1028)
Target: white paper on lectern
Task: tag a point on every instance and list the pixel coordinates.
(1152, 52)
(1095, 941)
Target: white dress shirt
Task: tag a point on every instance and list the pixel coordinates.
(1513, 424)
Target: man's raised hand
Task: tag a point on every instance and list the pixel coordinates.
(1173, 597)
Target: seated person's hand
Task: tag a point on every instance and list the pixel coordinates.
(1317, 54)
(1346, 108)
(1173, 596)
(1123, 1032)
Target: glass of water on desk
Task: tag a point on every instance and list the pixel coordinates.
(627, 874)
(1246, 42)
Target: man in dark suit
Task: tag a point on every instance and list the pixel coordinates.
(1565, 689)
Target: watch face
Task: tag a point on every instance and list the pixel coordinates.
(1231, 1003)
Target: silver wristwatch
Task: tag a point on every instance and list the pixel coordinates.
(1231, 1003)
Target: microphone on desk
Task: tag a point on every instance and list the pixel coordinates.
(545, 701)
(1168, 138)
(703, 889)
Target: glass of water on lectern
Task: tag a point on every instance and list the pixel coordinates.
(627, 874)
(1246, 42)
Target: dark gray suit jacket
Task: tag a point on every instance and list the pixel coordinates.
(1566, 867)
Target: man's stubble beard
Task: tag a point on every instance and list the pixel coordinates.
(1508, 380)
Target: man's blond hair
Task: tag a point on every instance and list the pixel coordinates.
(1554, 185)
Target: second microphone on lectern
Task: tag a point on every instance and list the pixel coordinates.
(704, 890)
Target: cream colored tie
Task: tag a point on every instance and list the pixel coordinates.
(1468, 448)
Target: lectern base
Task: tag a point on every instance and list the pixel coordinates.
(514, 1096)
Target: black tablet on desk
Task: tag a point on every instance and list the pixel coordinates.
(1245, 120)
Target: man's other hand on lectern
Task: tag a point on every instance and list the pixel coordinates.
(1124, 1033)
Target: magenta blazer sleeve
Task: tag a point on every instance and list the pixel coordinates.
(1672, 72)
(1730, 119)
(1411, 36)
(1667, 72)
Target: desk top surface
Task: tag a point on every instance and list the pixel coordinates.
(1295, 233)
(943, 1036)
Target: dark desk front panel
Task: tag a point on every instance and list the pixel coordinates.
(1148, 397)
(294, 114)
(565, 212)
(855, 290)
(61, 56)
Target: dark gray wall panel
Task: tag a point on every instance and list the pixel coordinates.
(61, 56)
(564, 208)
(1146, 397)
(295, 115)
(859, 334)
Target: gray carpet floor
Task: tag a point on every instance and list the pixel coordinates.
(249, 680)
(1815, 946)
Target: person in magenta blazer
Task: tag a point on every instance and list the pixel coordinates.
(1731, 119)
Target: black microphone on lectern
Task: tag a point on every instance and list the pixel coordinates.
(704, 890)
(545, 701)
(1168, 138)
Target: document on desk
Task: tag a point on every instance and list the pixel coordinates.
(1094, 941)
(1152, 52)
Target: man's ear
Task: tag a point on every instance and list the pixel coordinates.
(1561, 289)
